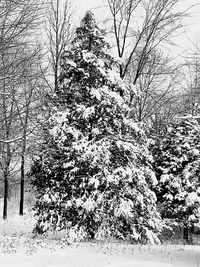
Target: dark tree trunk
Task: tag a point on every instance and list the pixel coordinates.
(56, 78)
(21, 206)
(25, 125)
(5, 203)
(187, 234)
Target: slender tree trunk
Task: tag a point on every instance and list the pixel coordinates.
(24, 142)
(57, 48)
(5, 202)
(25, 125)
(6, 184)
(56, 80)
(186, 233)
(7, 147)
(21, 206)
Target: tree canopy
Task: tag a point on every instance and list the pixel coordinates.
(94, 174)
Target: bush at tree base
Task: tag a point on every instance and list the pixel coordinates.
(95, 172)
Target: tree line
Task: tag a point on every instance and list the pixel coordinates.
(69, 91)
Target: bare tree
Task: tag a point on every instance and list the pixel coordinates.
(59, 33)
(26, 102)
(18, 21)
(191, 85)
(155, 85)
(141, 27)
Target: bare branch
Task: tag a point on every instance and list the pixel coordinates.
(11, 140)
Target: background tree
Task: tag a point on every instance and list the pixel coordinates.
(191, 83)
(177, 164)
(135, 39)
(155, 86)
(59, 34)
(164, 114)
(94, 174)
(142, 32)
(28, 106)
(19, 19)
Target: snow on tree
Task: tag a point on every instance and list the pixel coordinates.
(177, 164)
(95, 172)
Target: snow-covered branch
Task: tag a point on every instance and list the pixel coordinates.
(11, 140)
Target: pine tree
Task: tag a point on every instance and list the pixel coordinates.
(95, 172)
(177, 164)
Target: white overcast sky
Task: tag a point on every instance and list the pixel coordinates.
(192, 30)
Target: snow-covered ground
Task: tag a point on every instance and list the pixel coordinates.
(40, 253)
(18, 248)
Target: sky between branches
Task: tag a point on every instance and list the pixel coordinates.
(183, 41)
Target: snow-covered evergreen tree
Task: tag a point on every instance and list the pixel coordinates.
(177, 163)
(95, 172)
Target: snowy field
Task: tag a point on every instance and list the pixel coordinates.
(18, 248)
(42, 254)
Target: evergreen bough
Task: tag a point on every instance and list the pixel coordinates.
(95, 173)
(177, 164)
